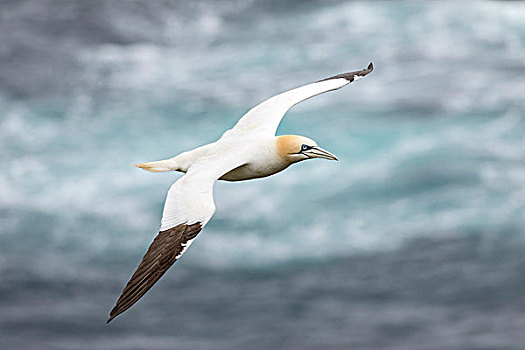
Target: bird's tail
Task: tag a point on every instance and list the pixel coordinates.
(158, 166)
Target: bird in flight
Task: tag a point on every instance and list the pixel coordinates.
(247, 151)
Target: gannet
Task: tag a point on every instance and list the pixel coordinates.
(247, 151)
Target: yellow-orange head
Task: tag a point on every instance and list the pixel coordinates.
(295, 148)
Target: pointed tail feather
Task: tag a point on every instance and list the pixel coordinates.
(158, 166)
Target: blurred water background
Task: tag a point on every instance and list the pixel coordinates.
(414, 240)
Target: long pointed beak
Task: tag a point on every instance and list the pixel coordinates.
(318, 152)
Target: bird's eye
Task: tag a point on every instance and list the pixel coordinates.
(304, 148)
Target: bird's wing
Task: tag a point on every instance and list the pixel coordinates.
(266, 116)
(189, 206)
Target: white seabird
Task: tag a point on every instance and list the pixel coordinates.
(247, 151)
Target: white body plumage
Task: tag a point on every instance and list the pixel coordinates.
(259, 155)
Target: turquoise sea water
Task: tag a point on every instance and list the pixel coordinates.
(413, 240)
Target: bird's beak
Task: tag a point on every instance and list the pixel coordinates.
(318, 152)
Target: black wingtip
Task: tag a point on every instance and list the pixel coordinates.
(351, 75)
(113, 314)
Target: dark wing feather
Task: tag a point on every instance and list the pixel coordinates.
(166, 248)
(351, 75)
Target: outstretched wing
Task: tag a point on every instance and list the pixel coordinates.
(266, 116)
(189, 206)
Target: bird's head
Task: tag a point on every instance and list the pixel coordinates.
(294, 148)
